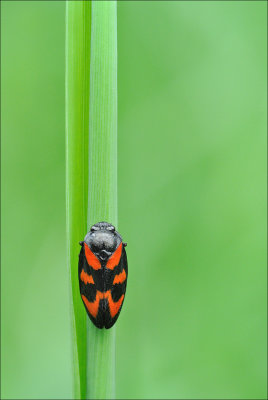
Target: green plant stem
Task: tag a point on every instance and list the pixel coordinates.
(78, 20)
(102, 195)
(91, 108)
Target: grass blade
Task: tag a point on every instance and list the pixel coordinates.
(91, 156)
(102, 195)
(78, 17)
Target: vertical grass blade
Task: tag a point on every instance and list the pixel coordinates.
(102, 195)
(78, 18)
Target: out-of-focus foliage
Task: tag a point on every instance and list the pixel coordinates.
(192, 200)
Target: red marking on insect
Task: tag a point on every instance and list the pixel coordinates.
(93, 307)
(115, 258)
(86, 278)
(91, 258)
(114, 305)
(120, 278)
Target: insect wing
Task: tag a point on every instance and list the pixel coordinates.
(115, 296)
(90, 295)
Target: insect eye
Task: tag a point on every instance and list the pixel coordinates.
(111, 228)
(94, 229)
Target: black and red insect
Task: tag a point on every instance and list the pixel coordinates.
(103, 272)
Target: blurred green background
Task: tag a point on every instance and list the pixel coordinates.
(192, 200)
